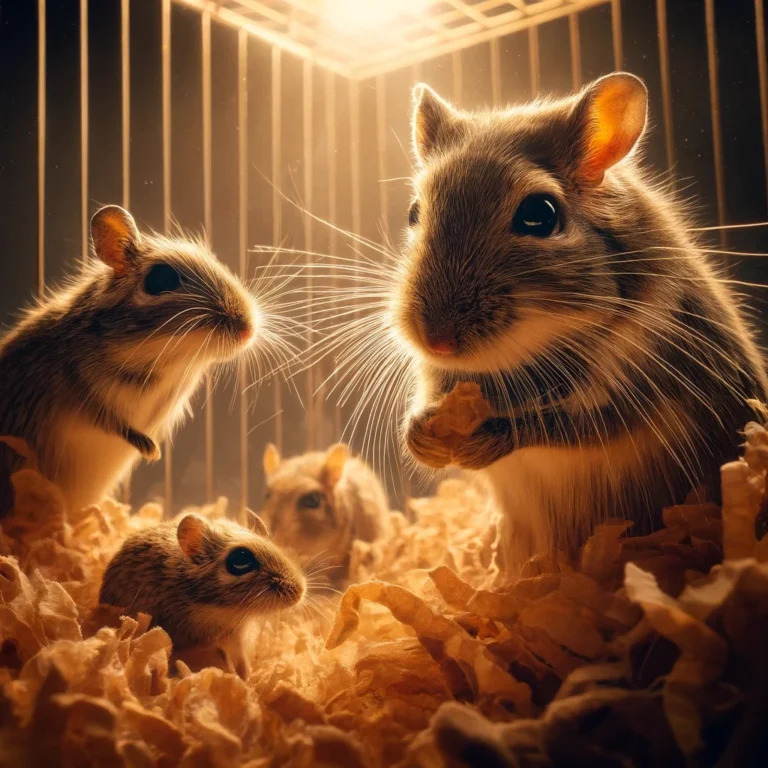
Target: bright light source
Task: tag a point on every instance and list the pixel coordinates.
(359, 15)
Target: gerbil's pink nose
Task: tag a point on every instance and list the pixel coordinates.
(443, 344)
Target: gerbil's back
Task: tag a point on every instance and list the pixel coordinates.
(143, 571)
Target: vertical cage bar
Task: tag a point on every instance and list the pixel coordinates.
(495, 72)
(666, 81)
(762, 70)
(41, 127)
(458, 78)
(125, 120)
(84, 128)
(242, 198)
(618, 42)
(714, 101)
(381, 146)
(277, 218)
(308, 202)
(354, 146)
(166, 99)
(575, 38)
(533, 57)
(208, 225)
(330, 150)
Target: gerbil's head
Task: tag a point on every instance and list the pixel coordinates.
(232, 566)
(301, 507)
(511, 224)
(157, 289)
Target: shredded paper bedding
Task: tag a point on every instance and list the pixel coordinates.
(648, 651)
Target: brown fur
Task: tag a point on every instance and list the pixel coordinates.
(353, 505)
(617, 363)
(194, 598)
(100, 372)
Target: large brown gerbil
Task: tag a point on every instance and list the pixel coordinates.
(543, 264)
(98, 373)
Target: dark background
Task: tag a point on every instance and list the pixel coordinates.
(743, 158)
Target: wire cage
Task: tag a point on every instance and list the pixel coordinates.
(219, 113)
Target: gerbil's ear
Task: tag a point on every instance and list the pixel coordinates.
(271, 459)
(335, 459)
(258, 526)
(434, 123)
(115, 238)
(611, 113)
(190, 533)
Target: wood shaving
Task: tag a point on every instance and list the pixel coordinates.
(646, 651)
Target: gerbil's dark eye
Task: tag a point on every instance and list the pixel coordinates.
(240, 561)
(161, 278)
(537, 216)
(312, 500)
(413, 214)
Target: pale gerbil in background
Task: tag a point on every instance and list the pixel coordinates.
(542, 263)
(203, 582)
(318, 503)
(99, 372)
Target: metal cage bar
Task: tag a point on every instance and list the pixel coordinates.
(242, 198)
(41, 130)
(618, 41)
(533, 60)
(208, 225)
(84, 129)
(331, 185)
(277, 218)
(762, 71)
(125, 140)
(125, 104)
(575, 41)
(666, 82)
(308, 157)
(714, 103)
(495, 56)
(166, 109)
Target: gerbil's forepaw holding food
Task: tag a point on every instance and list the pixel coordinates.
(491, 441)
(422, 442)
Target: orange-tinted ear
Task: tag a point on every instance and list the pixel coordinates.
(613, 113)
(434, 122)
(190, 534)
(258, 526)
(115, 238)
(271, 459)
(335, 459)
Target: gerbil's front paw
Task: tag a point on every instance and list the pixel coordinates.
(486, 445)
(151, 450)
(423, 443)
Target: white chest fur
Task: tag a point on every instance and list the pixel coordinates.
(546, 494)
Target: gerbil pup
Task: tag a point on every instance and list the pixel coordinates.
(98, 373)
(542, 264)
(318, 503)
(202, 582)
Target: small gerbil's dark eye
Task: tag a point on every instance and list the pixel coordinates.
(313, 500)
(161, 278)
(537, 215)
(413, 214)
(241, 560)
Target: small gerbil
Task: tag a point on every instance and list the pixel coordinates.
(203, 581)
(318, 503)
(101, 371)
(544, 265)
